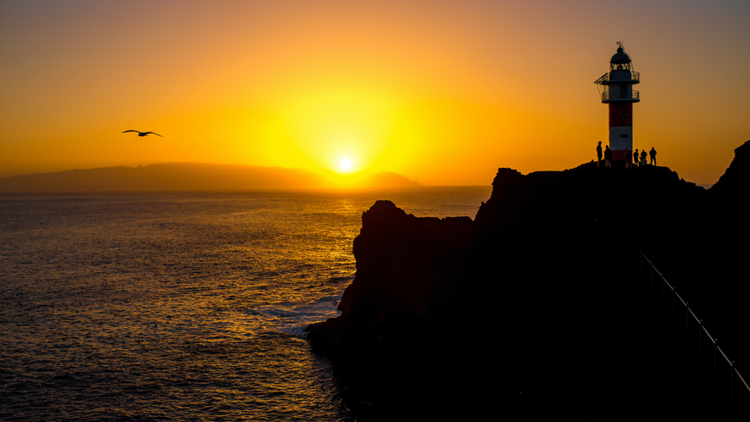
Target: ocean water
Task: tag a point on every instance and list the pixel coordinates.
(180, 306)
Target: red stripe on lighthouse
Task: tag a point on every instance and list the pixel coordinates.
(620, 114)
(620, 128)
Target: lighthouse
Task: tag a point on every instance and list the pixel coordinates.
(616, 89)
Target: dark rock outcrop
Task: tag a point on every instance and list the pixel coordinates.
(733, 185)
(407, 269)
(542, 288)
(406, 273)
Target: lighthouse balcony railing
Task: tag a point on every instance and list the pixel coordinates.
(607, 78)
(608, 96)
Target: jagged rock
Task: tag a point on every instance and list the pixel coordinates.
(548, 263)
(733, 184)
(406, 267)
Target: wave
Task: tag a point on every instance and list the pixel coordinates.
(293, 318)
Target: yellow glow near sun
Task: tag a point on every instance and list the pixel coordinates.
(338, 129)
(345, 164)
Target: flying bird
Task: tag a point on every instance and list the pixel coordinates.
(141, 134)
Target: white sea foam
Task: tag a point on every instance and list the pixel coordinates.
(294, 318)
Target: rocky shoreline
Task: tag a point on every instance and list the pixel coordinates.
(537, 293)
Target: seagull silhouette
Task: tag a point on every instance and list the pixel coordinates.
(141, 134)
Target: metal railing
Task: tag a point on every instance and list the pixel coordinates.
(688, 314)
(634, 76)
(634, 96)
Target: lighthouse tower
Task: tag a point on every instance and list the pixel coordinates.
(616, 89)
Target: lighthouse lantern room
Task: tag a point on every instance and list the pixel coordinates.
(616, 89)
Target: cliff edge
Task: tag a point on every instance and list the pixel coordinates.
(540, 294)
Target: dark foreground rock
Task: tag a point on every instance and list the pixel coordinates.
(538, 305)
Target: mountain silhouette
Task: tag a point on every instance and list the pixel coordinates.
(194, 176)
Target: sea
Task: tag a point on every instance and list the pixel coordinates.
(181, 306)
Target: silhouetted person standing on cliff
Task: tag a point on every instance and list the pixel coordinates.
(635, 157)
(652, 154)
(628, 158)
(608, 157)
(599, 154)
(643, 158)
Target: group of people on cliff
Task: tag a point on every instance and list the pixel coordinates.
(632, 159)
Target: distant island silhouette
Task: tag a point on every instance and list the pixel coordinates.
(196, 177)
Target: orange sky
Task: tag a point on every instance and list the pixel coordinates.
(442, 92)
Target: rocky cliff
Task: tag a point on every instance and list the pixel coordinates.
(407, 272)
(537, 294)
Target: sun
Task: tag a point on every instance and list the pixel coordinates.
(345, 164)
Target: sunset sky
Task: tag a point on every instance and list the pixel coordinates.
(442, 92)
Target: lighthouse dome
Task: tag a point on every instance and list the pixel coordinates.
(621, 57)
